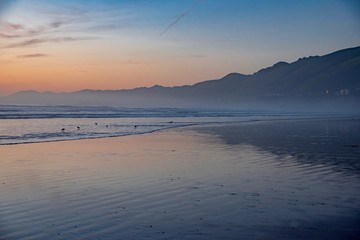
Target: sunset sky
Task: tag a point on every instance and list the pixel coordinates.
(72, 45)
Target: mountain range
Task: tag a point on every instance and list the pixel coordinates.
(319, 83)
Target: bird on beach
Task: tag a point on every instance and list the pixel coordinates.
(96, 123)
(78, 128)
(63, 129)
(135, 126)
(107, 126)
(171, 122)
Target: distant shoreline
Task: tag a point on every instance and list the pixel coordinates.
(207, 124)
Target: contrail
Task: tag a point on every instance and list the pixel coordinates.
(178, 18)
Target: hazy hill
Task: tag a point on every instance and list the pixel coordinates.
(320, 82)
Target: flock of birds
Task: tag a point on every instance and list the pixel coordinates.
(78, 128)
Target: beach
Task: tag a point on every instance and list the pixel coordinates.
(283, 179)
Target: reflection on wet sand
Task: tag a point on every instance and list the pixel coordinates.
(218, 182)
(329, 142)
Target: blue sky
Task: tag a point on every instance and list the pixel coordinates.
(124, 44)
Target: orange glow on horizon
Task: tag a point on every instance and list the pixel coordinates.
(74, 45)
(44, 74)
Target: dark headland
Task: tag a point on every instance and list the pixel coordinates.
(320, 83)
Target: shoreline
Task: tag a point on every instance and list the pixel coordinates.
(292, 118)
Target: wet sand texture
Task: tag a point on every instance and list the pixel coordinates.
(234, 181)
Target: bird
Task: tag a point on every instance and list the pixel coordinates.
(78, 128)
(96, 123)
(135, 126)
(171, 122)
(107, 126)
(63, 129)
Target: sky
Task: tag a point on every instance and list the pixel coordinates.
(65, 46)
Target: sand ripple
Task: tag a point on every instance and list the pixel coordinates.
(178, 184)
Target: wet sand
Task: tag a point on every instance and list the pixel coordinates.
(260, 180)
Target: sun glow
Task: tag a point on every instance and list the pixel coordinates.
(73, 45)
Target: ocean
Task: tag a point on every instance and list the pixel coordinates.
(31, 124)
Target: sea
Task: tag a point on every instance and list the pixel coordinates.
(32, 124)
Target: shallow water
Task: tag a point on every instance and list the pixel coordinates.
(210, 182)
(30, 124)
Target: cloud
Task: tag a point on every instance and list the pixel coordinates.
(178, 18)
(34, 55)
(88, 16)
(13, 26)
(9, 36)
(25, 43)
(56, 24)
(107, 27)
(62, 20)
(36, 41)
(12, 30)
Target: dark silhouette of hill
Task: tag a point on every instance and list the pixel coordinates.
(317, 82)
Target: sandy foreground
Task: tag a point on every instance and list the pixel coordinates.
(269, 180)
